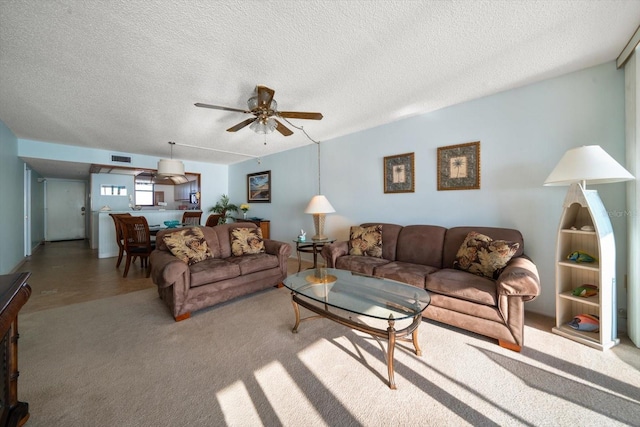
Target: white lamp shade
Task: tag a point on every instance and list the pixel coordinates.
(170, 167)
(319, 204)
(590, 164)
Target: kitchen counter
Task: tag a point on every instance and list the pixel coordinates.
(103, 230)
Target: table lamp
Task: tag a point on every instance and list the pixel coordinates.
(319, 206)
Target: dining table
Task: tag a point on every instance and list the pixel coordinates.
(155, 228)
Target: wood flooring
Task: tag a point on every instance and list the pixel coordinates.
(69, 272)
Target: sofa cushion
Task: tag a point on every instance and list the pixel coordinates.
(421, 244)
(246, 241)
(223, 233)
(390, 234)
(413, 274)
(481, 255)
(366, 241)
(188, 244)
(460, 284)
(254, 262)
(212, 270)
(359, 264)
(456, 235)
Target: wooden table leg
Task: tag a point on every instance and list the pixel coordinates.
(414, 335)
(392, 345)
(296, 309)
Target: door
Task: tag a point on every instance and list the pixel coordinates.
(65, 210)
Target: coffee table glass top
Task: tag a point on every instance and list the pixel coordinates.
(360, 294)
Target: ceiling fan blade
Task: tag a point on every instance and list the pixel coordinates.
(283, 129)
(218, 107)
(265, 96)
(242, 124)
(300, 115)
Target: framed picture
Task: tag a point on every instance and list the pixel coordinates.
(259, 187)
(399, 176)
(459, 167)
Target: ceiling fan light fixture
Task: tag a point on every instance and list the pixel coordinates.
(254, 103)
(264, 125)
(265, 109)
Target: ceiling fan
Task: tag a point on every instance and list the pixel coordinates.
(265, 110)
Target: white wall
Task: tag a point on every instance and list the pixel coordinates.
(12, 206)
(523, 133)
(213, 178)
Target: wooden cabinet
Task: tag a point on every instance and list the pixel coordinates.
(585, 226)
(183, 191)
(14, 293)
(264, 225)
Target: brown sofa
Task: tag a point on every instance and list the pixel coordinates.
(186, 288)
(424, 255)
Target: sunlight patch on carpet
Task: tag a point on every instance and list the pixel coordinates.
(287, 399)
(237, 406)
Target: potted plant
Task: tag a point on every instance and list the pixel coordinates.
(224, 208)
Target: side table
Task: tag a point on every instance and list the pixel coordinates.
(310, 247)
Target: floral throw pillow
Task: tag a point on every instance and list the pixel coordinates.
(246, 241)
(483, 256)
(366, 241)
(188, 244)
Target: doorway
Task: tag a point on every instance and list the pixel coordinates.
(65, 210)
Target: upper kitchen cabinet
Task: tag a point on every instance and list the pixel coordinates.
(183, 191)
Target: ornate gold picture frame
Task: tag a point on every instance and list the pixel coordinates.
(399, 173)
(459, 167)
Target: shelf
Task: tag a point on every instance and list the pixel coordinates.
(593, 266)
(592, 233)
(592, 339)
(584, 207)
(592, 300)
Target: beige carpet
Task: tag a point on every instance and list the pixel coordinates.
(123, 361)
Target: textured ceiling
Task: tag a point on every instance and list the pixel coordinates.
(123, 75)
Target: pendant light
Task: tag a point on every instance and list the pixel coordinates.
(171, 169)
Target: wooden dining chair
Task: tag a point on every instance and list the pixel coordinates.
(213, 220)
(119, 236)
(191, 218)
(137, 241)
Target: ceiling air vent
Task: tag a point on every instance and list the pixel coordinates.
(121, 159)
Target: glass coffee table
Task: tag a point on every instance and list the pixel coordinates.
(341, 295)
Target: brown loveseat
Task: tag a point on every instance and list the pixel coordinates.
(424, 256)
(186, 288)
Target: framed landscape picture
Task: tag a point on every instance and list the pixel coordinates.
(259, 187)
(399, 173)
(459, 167)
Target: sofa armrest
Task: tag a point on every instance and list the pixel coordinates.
(519, 278)
(167, 270)
(333, 251)
(281, 249)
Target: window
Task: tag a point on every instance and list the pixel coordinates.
(113, 190)
(144, 194)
